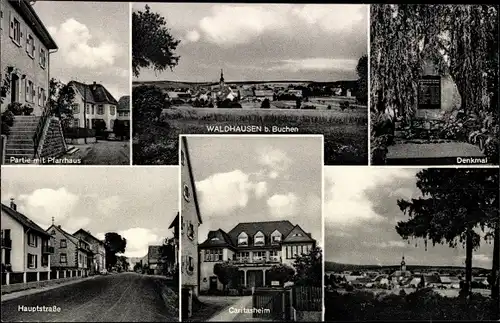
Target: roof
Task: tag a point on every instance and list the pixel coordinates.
(29, 14)
(263, 92)
(154, 252)
(124, 103)
(88, 234)
(94, 93)
(399, 273)
(24, 220)
(69, 236)
(217, 238)
(267, 227)
(191, 176)
(175, 222)
(432, 279)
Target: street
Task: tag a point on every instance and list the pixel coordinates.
(126, 297)
(104, 153)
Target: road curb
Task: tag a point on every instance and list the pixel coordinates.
(26, 292)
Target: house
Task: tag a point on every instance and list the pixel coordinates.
(99, 103)
(98, 250)
(264, 94)
(175, 226)
(26, 247)
(26, 46)
(190, 221)
(254, 247)
(123, 108)
(71, 252)
(154, 260)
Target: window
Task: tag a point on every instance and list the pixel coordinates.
(53, 232)
(190, 232)
(87, 109)
(76, 122)
(32, 261)
(43, 58)
(76, 108)
(274, 255)
(93, 109)
(7, 256)
(100, 109)
(112, 110)
(30, 46)
(259, 255)
(275, 237)
(111, 123)
(45, 260)
(32, 240)
(243, 256)
(63, 243)
(183, 157)
(189, 263)
(259, 239)
(39, 96)
(29, 91)
(182, 224)
(63, 259)
(243, 239)
(186, 193)
(213, 255)
(15, 31)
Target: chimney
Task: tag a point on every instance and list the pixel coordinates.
(13, 205)
(59, 226)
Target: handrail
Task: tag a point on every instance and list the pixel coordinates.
(37, 137)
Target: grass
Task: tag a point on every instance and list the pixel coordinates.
(422, 305)
(345, 132)
(170, 298)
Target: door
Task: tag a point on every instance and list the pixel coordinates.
(213, 283)
(14, 88)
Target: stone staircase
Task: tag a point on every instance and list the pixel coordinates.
(20, 141)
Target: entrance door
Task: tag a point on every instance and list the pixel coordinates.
(14, 88)
(213, 283)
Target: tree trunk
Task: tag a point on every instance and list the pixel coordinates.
(468, 264)
(495, 273)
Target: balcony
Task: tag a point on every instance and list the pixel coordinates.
(6, 243)
(257, 261)
(47, 249)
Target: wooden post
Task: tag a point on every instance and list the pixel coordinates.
(37, 276)
(24, 277)
(7, 279)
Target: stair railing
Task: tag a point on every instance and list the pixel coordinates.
(37, 137)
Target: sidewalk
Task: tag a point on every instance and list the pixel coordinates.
(32, 291)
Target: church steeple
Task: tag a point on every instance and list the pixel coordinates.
(403, 263)
(221, 77)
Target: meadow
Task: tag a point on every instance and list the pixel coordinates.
(345, 132)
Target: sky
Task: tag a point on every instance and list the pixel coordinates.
(139, 203)
(266, 42)
(361, 213)
(250, 179)
(93, 40)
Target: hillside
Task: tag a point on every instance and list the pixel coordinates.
(337, 267)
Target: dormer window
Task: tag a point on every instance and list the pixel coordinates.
(215, 239)
(243, 239)
(259, 239)
(297, 235)
(276, 237)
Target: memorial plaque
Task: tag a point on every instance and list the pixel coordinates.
(429, 92)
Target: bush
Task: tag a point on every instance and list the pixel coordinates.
(266, 104)
(344, 105)
(16, 108)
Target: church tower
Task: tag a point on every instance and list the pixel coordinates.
(221, 82)
(403, 264)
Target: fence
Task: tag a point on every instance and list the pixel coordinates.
(308, 298)
(14, 281)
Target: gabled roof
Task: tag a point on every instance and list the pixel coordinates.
(267, 227)
(69, 236)
(89, 235)
(175, 222)
(124, 103)
(297, 234)
(94, 93)
(24, 220)
(217, 238)
(191, 176)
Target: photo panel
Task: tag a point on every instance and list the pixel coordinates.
(65, 75)
(95, 245)
(213, 68)
(434, 85)
(251, 228)
(411, 244)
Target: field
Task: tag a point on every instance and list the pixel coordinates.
(345, 132)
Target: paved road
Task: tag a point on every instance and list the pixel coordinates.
(126, 297)
(105, 153)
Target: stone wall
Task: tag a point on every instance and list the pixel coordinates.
(53, 144)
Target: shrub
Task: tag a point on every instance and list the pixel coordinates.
(266, 104)
(7, 122)
(344, 105)
(16, 108)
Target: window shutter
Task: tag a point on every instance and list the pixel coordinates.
(20, 89)
(27, 91)
(11, 25)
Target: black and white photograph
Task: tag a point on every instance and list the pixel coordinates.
(408, 244)
(251, 228)
(434, 85)
(229, 68)
(97, 245)
(65, 83)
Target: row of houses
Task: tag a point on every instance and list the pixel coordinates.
(28, 248)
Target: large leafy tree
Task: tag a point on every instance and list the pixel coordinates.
(282, 273)
(61, 97)
(455, 204)
(309, 268)
(362, 70)
(153, 46)
(114, 244)
(226, 273)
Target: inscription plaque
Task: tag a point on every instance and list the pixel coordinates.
(429, 92)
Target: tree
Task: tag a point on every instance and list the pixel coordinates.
(309, 268)
(113, 243)
(99, 126)
(138, 267)
(121, 128)
(226, 273)
(362, 70)
(455, 203)
(282, 273)
(266, 104)
(167, 254)
(152, 43)
(60, 100)
(148, 103)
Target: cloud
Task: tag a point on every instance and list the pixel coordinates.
(275, 160)
(222, 193)
(138, 240)
(237, 24)
(482, 258)
(281, 205)
(338, 18)
(386, 244)
(76, 46)
(193, 36)
(109, 205)
(43, 204)
(346, 203)
(316, 64)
